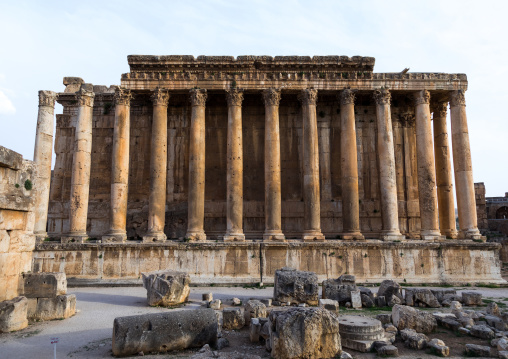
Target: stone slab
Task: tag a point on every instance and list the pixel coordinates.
(13, 314)
(44, 285)
(60, 307)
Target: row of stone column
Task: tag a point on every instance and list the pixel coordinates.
(434, 224)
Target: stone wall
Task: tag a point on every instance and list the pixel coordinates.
(481, 207)
(17, 240)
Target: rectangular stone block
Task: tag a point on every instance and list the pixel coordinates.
(356, 299)
(44, 285)
(60, 307)
(13, 314)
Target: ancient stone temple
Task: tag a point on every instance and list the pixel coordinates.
(288, 149)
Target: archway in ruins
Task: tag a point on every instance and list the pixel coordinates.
(502, 213)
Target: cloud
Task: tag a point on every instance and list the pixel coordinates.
(6, 106)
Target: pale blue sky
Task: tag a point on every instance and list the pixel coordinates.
(43, 41)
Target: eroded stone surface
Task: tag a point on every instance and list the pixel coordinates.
(405, 317)
(13, 314)
(59, 307)
(44, 285)
(296, 286)
(166, 288)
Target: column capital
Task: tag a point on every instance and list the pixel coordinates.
(308, 97)
(198, 97)
(160, 97)
(271, 97)
(382, 96)
(422, 97)
(234, 96)
(47, 98)
(457, 98)
(407, 119)
(85, 97)
(123, 96)
(440, 108)
(346, 97)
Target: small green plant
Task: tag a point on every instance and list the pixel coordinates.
(340, 257)
(107, 108)
(186, 239)
(301, 73)
(401, 254)
(345, 75)
(422, 265)
(100, 255)
(322, 75)
(47, 239)
(332, 254)
(233, 83)
(16, 185)
(28, 185)
(365, 255)
(253, 256)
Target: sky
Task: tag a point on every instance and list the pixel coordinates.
(43, 41)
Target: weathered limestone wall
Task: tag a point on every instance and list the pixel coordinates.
(481, 207)
(17, 219)
(243, 262)
(253, 118)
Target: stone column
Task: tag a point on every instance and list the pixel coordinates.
(43, 152)
(235, 167)
(427, 193)
(311, 193)
(120, 171)
(349, 167)
(81, 161)
(196, 202)
(158, 167)
(387, 175)
(446, 204)
(273, 212)
(466, 205)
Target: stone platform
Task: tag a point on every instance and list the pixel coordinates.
(414, 261)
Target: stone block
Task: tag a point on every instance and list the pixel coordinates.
(451, 324)
(441, 294)
(356, 299)
(254, 330)
(389, 288)
(329, 304)
(317, 331)
(166, 288)
(475, 350)
(438, 347)
(214, 304)
(413, 339)
(472, 298)
(482, 331)
(503, 354)
(339, 289)
(267, 302)
(493, 309)
(367, 301)
(422, 296)
(13, 314)
(381, 301)
(60, 307)
(44, 285)
(359, 332)
(254, 309)
(207, 297)
(404, 317)
(156, 332)
(384, 318)
(388, 351)
(296, 286)
(233, 318)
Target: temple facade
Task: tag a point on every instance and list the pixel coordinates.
(286, 148)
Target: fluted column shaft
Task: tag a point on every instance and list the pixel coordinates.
(349, 167)
(43, 152)
(311, 193)
(120, 171)
(466, 204)
(387, 174)
(446, 204)
(81, 162)
(196, 201)
(273, 212)
(234, 167)
(158, 167)
(426, 170)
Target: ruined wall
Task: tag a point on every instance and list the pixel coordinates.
(253, 113)
(481, 207)
(17, 220)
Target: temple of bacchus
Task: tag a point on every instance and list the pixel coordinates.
(312, 162)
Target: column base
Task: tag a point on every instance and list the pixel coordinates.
(114, 238)
(74, 238)
(274, 236)
(473, 234)
(352, 236)
(391, 236)
(313, 236)
(195, 236)
(234, 237)
(432, 235)
(451, 234)
(152, 237)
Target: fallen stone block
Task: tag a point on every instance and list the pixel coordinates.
(404, 317)
(233, 318)
(207, 297)
(255, 330)
(394, 300)
(441, 293)
(13, 314)
(494, 322)
(425, 296)
(502, 344)
(477, 350)
(493, 309)
(329, 304)
(472, 299)
(482, 331)
(356, 299)
(236, 301)
(451, 324)
(359, 332)
(438, 347)
(222, 343)
(267, 302)
(503, 354)
(296, 286)
(388, 289)
(339, 289)
(61, 307)
(384, 318)
(367, 301)
(254, 309)
(464, 331)
(317, 331)
(166, 288)
(214, 304)
(44, 285)
(413, 339)
(163, 332)
(381, 301)
(388, 351)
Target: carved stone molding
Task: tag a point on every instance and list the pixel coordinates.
(440, 109)
(47, 98)
(271, 97)
(308, 97)
(407, 119)
(234, 96)
(160, 97)
(382, 97)
(85, 97)
(198, 97)
(422, 97)
(123, 96)
(457, 98)
(347, 96)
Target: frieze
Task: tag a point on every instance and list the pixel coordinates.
(422, 97)
(234, 96)
(347, 96)
(85, 97)
(160, 97)
(308, 97)
(47, 98)
(271, 97)
(123, 96)
(382, 97)
(198, 97)
(457, 98)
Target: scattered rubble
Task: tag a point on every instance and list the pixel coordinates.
(339, 289)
